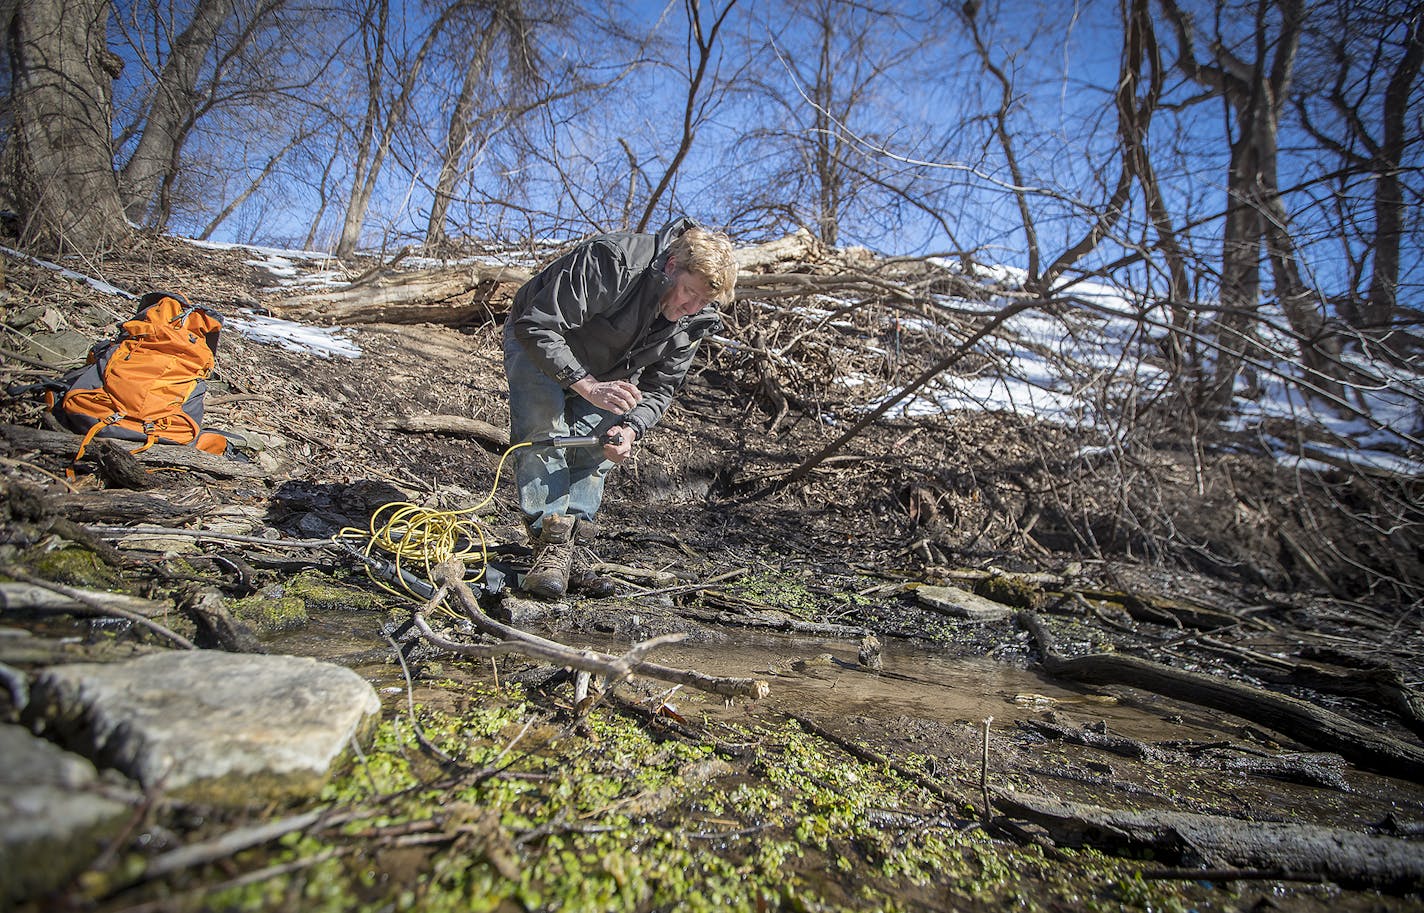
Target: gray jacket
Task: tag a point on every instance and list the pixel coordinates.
(595, 311)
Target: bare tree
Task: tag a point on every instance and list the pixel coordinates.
(1364, 61)
(58, 155)
(1255, 89)
(172, 110)
(816, 79)
(384, 117)
(509, 22)
(702, 41)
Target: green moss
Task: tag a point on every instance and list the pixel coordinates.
(612, 818)
(321, 591)
(270, 611)
(76, 567)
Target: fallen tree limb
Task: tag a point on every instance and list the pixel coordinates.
(1290, 716)
(454, 425)
(782, 623)
(1210, 841)
(451, 574)
(453, 297)
(42, 598)
(81, 602)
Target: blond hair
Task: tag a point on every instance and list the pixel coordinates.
(707, 254)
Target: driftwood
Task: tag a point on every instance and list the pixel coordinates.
(1295, 718)
(62, 443)
(450, 576)
(1291, 851)
(455, 296)
(454, 425)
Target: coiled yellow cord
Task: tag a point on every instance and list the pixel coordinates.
(410, 533)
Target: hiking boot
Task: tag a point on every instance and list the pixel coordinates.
(582, 578)
(548, 578)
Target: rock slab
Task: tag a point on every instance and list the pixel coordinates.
(55, 815)
(201, 725)
(957, 603)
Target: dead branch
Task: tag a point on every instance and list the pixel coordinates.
(454, 425)
(1295, 718)
(451, 574)
(81, 602)
(19, 597)
(934, 370)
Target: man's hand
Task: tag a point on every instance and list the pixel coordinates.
(624, 448)
(613, 395)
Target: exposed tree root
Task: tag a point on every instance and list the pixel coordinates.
(1295, 718)
(1295, 851)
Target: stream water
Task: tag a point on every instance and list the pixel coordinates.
(822, 679)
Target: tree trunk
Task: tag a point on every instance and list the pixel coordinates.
(457, 137)
(60, 158)
(171, 112)
(1389, 189)
(374, 159)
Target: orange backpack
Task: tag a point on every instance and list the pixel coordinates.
(148, 383)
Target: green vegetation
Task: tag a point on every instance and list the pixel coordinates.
(603, 815)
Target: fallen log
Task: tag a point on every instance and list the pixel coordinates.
(120, 505)
(455, 297)
(1300, 720)
(1210, 841)
(64, 444)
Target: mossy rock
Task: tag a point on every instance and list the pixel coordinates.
(321, 591)
(76, 567)
(1011, 591)
(270, 611)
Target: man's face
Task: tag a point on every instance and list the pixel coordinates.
(689, 294)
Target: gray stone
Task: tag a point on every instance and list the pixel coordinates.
(224, 728)
(957, 603)
(55, 816)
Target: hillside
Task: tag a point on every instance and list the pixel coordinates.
(1141, 542)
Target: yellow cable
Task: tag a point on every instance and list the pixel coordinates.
(412, 533)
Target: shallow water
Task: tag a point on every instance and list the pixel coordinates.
(822, 679)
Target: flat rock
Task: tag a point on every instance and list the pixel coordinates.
(55, 814)
(202, 725)
(957, 603)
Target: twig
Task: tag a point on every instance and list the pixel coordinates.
(984, 771)
(21, 464)
(420, 738)
(229, 844)
(119, 532)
